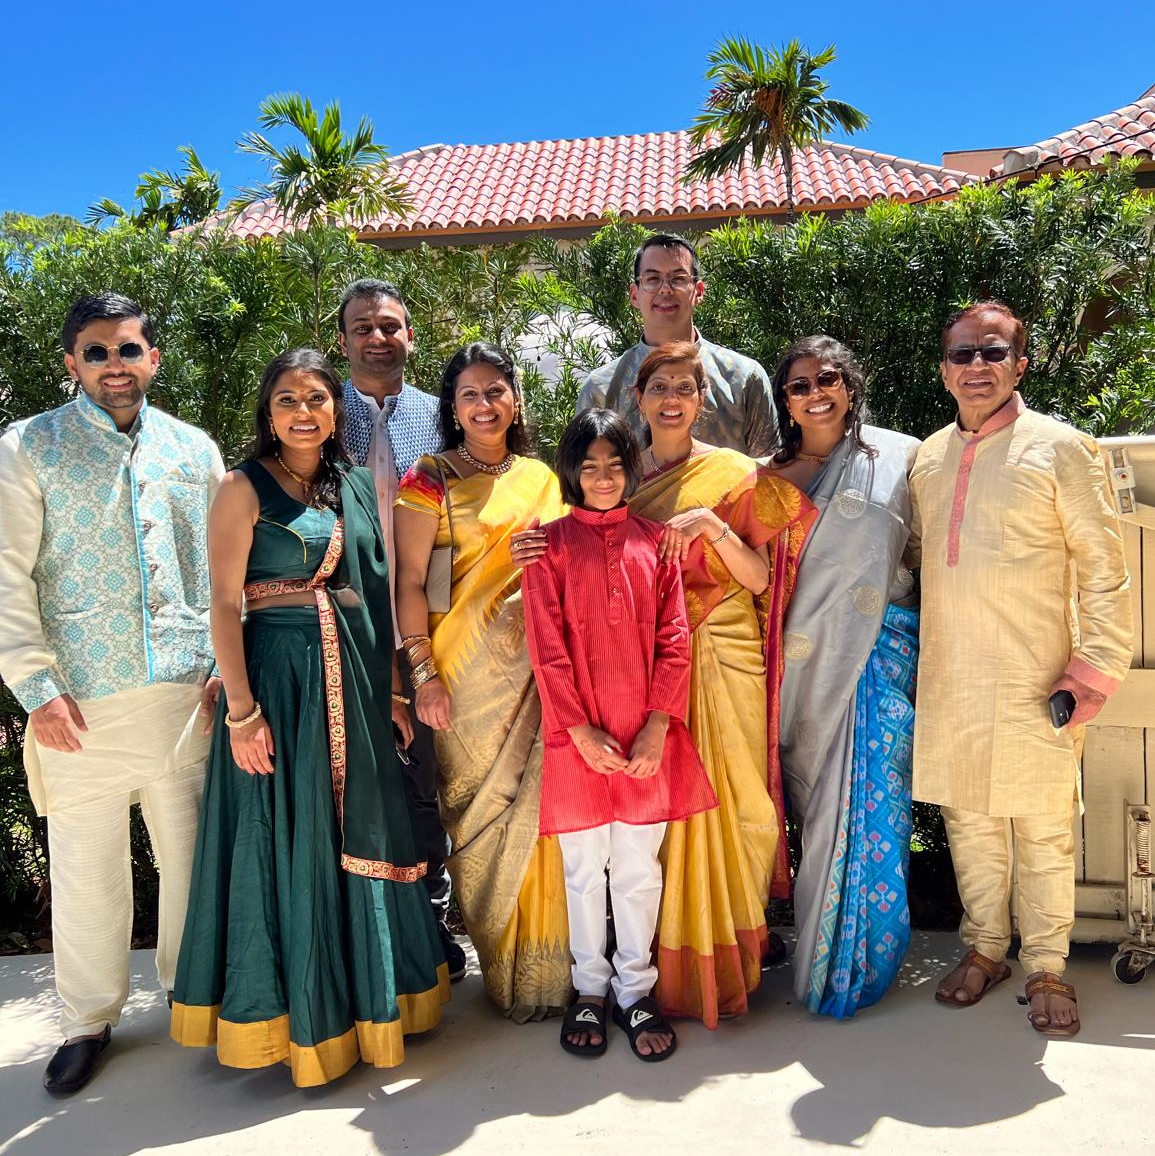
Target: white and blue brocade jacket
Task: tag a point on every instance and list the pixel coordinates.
(104, 579)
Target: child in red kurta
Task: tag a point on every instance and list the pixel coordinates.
(610, 646)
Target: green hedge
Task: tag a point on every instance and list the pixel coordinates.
(1072, 255)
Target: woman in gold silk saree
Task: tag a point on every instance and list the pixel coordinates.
(508, 881)
(722, 866)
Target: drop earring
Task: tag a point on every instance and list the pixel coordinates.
(456, 423)
(272, 430)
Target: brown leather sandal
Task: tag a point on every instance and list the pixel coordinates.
(994, 971)
(1044, 983)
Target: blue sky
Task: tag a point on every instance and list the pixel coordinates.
(90, 101)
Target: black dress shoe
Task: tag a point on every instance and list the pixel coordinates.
(74, 1064)
(454, 953)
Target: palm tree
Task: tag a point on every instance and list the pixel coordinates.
(333, 176)
(168, 199)
(768, 101)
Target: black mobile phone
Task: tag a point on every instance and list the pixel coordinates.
(1062, 704)
(402, 752)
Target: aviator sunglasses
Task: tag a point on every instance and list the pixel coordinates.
(130, 353)
(965, 354)
(826, 379)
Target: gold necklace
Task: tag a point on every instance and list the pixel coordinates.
(305, 485)
(811, 457)
(668, 465)
(502, 466)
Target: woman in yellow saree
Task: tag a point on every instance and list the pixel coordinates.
(473, 681)
(740, 532)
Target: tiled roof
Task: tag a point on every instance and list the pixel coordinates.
(1126, 132)
(566, 183)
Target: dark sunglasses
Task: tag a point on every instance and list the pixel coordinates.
(801, 386)
(965, 354)
(130, 353)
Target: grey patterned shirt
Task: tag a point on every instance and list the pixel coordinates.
(739, 412)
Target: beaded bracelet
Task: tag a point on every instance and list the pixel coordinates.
(235, 724)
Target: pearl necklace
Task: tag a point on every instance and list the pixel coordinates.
(502, 466)
(304, 483)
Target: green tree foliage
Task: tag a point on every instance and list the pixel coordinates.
(21, 234)
(165, 199)
(335, 176)
(768, 101)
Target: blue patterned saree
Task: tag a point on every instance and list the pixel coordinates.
(847, 724)
(864, 929)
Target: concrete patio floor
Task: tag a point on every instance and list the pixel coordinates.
(906, 1077)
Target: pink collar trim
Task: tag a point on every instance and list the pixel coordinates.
(1012, 409)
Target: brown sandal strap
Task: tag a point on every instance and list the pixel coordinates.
(1044, 986)
(989, 967)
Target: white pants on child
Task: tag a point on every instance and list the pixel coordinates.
(631, 854)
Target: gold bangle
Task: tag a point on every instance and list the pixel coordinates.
(401, 699)
(414, 638)
(411, 652)
(722, 536)
(236, 723)
(424, 673)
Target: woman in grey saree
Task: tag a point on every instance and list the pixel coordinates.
(846, 714)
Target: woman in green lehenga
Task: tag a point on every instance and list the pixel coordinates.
(309, 938)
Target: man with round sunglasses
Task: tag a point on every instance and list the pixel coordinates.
(104, 583)
(738, 412)
(1005, 500)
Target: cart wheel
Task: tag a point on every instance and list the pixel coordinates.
(1122, 964)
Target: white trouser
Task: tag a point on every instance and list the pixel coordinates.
(631, 854)
(90, 855)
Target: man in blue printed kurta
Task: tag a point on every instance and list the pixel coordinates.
(104, 583)
(389, 424)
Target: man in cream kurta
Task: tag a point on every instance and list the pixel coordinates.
(1024, 593)
(105, 594)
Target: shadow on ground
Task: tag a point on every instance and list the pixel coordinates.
(908, 1060)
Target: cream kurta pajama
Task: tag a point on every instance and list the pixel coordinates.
(104, 585)
(1014, 522)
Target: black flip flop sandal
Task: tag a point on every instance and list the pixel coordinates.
(584, 1016)
(645, 1016)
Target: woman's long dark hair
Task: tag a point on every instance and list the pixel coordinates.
(854, 379)
(334, 459)
(517, 438)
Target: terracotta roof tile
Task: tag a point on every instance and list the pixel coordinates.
(555, 183)
(1127, 132)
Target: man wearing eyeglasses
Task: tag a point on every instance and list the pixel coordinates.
(738, 412)
(104, 584)
(1005, 500)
